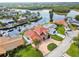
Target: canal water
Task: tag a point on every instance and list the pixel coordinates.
(45, 19)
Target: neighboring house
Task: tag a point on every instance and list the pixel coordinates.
(9, 13)
(60, 22)
(72, 14)
(22, 20)
(7, 43)
(73, 21)
(7, 22)
(34, 15)
(52, 31)
(38, 33)
(13, 33)
(28, 12)
(59, 19)
(71, 17)
(13, 13)
(50, 26)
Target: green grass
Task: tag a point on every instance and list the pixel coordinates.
(60, 29)
(73, 51)
(51, 46)
(73, 27)
(22, 33)
(61, 13)
(27, 51)
(56, 37)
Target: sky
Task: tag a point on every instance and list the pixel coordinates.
(38, 0)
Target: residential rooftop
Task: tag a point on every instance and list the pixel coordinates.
(7, 43)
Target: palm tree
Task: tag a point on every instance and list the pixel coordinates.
(19, 29)
(1, 23)
(15, 19)
(76, 39)
(38, 13)
(36, 42)
(77, 17)
(51, 15)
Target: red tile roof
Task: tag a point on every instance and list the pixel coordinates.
(35, 33)
(39, 30)
(60, 22)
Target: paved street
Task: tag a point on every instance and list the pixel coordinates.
(63, 47)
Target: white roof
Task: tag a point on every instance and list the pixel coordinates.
(52, 31)
(50, 25)
(6, 20)
(72, 14)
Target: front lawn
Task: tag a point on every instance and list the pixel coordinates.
(51, 46)
(56, 37)
(73, 51)
(60, 29)
(27, 51)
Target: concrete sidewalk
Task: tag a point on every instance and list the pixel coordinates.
(63, 47)
(63, 36)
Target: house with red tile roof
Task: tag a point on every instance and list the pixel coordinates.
(42, 32)
(37, 33)
(39, 30)
(32, 35)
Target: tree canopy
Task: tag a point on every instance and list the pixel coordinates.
(77, 17)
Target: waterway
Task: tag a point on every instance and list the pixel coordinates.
(45, 19)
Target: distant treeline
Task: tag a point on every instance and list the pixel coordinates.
(56, 8)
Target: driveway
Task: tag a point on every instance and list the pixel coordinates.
(63, 47)
(43, 46)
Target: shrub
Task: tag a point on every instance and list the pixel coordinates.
(77, 17)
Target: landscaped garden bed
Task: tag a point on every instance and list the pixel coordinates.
(51, 46)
